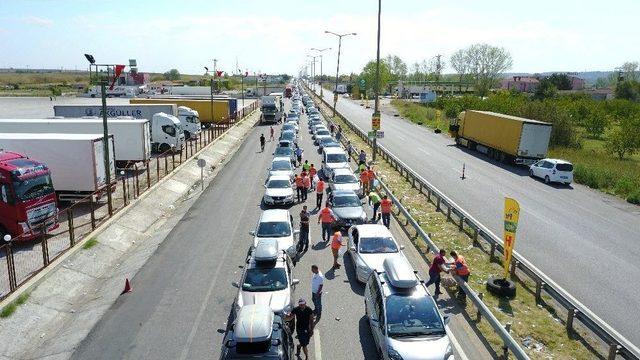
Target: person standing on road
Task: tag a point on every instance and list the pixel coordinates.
(461, 269)
(349, 149)
(304, 325)
(319, 192)
(307, 185)
(336, 244)
(271, 131)
(303, 243)
(362, 157)
(262, 141)
(371, 176)
(339, 133)
(327, 218)
(312, 173)
(306, 166)
(317, 282)
(299, 155)
(364, 181)
(385, 210)
(332, 128)
(437, 266)
(374, 200)
(299, 187)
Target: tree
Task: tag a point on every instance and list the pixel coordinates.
(561, 81)
(630, 70)
(624, 139)
(545, 90)
(460, 63)
(627, 90)
(486, 63)
(436, 64)
(602, 83)
(369, 75)
(397, 67)
(172, 75)
(596, 122)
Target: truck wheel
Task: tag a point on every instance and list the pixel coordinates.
(547, 180)
(187, 135)
(164, 148)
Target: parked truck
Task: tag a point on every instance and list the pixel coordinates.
(131, 136)
(27, 198)
(189, 118)
(221, 111)
(502, 137)
(272, 109)
(76, 161)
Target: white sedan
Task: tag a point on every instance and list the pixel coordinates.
(278, 190)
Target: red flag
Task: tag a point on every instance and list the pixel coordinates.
(219, 72)
(119, 69)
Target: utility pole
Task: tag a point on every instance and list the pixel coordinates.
(321, 74)
(105, 135)
(375, 118)
(438, 70)
(335, 90)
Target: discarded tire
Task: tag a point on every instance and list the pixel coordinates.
(501, 287)
(437, 131)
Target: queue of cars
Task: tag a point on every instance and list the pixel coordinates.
(404, 319)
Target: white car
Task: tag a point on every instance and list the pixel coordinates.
(281, 166)
(333, 158)
(276, 224)
(278, 190)
(553, 170)
(368, 246)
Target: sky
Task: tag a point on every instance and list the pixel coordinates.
(276, 36)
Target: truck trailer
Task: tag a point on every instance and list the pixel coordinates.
(189, 118)
(76, 161)
(220, 113)
(131, 136)
(502, 137)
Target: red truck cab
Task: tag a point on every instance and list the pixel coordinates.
(27, 197)
(288, 91)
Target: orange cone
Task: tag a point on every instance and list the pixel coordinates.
(127, 287)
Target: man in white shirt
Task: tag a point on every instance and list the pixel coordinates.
(317, 282)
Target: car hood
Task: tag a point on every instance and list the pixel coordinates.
(375, 261)
(279, 192)
(354, 212)
(420, 348)
(277, 300)
(337, 165)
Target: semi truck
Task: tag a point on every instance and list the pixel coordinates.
(502, 137)
(76, 161)
(272, 110)
(221, 112)
(27, 198)
(131, 136)
(189, 118)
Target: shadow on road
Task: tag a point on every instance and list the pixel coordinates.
(350, 272)
(366, 339)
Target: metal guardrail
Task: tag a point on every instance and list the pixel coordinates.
(618, 344)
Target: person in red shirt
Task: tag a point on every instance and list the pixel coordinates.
(306, 181)
(319, 193)
(336, 243)
(437, 266)
(299, 181)
(364, 181)
(327, 218)
(385, 211)
(312, 174)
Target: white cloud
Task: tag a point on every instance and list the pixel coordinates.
(35, 20)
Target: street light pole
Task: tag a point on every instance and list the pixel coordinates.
(321, 75)
(105, 135)
(375, 119)
(313, 72)
(335, 89)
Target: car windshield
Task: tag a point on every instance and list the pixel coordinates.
(323, 132)
(283, 151)
(33, 188)
(286, 127)
(269, 279)
(336, 158)
(278, 184)
(412, 315)
(564, 167)
(346, 201)
(372, 245)
(345, 179)
(324, 141)
(281, 165)
(273, 229)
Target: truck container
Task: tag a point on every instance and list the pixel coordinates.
(203, 107)
(27, 197)
(503, 137)
(76, 161)
(189, 118)
(131, 136)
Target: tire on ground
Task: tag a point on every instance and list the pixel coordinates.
(501, 287)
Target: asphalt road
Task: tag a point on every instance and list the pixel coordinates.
(183, 296)
(586, 241)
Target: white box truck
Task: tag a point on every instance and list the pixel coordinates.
(76, 161)
(131, 137)
(189, 118)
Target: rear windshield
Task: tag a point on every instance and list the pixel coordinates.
(323, 132)
(564, 167)
(281, 165)
(374, 245)
(346, 201)
(344, 179)
(283, 151)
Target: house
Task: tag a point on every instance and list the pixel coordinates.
(576, 82)
(521, 83)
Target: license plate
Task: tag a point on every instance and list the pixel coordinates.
(563, 177)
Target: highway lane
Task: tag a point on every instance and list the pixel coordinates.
(587, 241)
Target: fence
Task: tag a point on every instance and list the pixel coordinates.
(21, 260)
(618, 344)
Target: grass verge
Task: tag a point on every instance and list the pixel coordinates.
(90, 243)
(420, 114)
(539, 326)
(11, 308)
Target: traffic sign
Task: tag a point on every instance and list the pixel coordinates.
(375, 121)
(362, 84)
(380, 134)
(371, 134)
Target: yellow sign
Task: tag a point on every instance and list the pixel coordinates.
(375, 122)
(511, 216)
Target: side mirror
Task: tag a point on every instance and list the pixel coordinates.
(295, 282)
(401, 247)
(446, 319)
(252, 233)
(235, 284)
(353, 248)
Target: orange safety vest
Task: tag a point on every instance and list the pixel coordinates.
(320, 187)
(372, 175)
(326, 215)
(299, 181)
(385, 206)
(307, 182)
(364, 176)
(336, 241)
(312, 171)
(461, 266)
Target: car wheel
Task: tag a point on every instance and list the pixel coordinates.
(547, 180)
(531, 173)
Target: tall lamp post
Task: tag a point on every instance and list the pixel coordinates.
(210, 89)
(313, 71)
(375, 118)
(335, 89)
(320, 52)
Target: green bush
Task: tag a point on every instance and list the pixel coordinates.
(634, 198)
(625, 185)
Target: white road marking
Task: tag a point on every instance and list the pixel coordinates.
(456, 345)
(317, 347)
(425, 151)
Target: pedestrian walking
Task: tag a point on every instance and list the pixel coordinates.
(332, 128)
(437, 266)
(327, 218)
(299, 187)
(306, 166)
(319, 192)
(362, 157)
(349, 149)
(461, 269)
(271, 131)
(303, 242)
(262, 141)
(385, 210)
(313, 173)
(364, 181)
(336, 244)
(371, 176)
(317, 283)
(304, 325)
(374, 200)
(299, 153)
(339, 134)
(307, 185)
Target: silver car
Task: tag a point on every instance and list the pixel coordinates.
(280, 166)
(369, 245)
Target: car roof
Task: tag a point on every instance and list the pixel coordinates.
(334, 150)
(399, 272)
(253, 324)
(283, 147)
(279, 177)
(343, 171)
(274, 215)
(371, 230)
(558, 161)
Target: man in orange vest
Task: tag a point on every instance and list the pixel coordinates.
(371, 177)
(327, 218)
(306, 181)
(385, 210)
(364, 181)
(312, 175)
(299, 187)
(336, 243)
(461, 269)
(319, 193)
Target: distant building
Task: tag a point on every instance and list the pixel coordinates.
(576, 82)
(521, 83)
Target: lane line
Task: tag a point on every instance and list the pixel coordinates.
(425, 151)
(317, 346)
(456, 345)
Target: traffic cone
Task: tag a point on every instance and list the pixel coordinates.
(463, 177)
(127, 287)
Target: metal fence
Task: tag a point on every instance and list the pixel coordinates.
(617, 344)
(21, 260)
